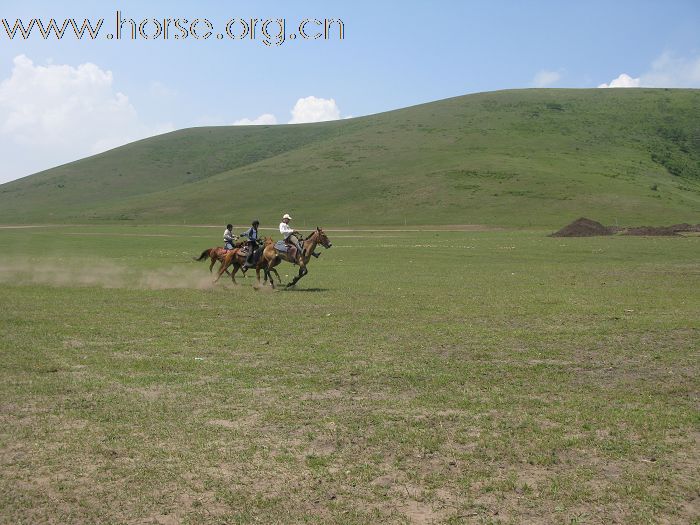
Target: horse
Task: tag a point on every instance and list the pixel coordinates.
(216, 254)
(271, 257)
(236, 259)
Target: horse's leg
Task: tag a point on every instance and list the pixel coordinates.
(222, 269)
(269, 276)
(302, 272)
(271, 268)
(233, 272)
(279, 279)
(267, 268)
(262, 264)
(225, 270)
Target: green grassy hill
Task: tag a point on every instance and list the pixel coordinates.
(511, 158)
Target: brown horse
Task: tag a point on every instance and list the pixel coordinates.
(216, 254)
(271, 257)
(237, 258)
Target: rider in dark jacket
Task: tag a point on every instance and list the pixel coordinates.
(252, 243)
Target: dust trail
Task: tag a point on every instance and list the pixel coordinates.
(170, 278)
(62, 272)
(264, 288)
(106, 274)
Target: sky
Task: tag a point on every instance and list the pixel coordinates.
(65, 99)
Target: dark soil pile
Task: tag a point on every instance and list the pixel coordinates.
(650, 230)
(685, 227)
(662, 230)
(583, 228)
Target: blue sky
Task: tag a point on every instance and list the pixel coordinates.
(54, 108)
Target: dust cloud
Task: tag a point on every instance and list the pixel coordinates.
(79, 273)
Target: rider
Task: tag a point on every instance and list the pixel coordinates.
(252, 243)
(292, 236)
(229, 237)
(288, 233)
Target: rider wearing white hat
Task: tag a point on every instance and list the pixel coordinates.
(290, 235)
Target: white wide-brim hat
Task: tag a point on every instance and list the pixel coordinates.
(286, 216)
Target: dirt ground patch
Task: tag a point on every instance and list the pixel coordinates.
(662, 230)
(583, 227)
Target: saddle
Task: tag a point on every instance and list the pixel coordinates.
(286, 247)
(234, 245)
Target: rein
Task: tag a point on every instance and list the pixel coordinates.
(308, 239)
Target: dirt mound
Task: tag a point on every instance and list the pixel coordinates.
(662, 230)
(685, 227)
(583, 228)
(650, 230)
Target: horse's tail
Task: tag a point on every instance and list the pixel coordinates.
(205, 255)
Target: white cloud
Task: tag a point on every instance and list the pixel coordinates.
(666, 71)
(545, 78)
(670, 71)
(57, 113)
(54, 114)
(312, 109)
(266, 119)
(309, 109)
(623, 81)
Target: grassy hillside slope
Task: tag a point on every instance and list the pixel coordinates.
(509, 158)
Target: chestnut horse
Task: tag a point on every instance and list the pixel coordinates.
(271, 257)
(216, 254)
(236, 259)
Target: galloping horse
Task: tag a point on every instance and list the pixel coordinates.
(216, 254)
(237, 259)
(271, 257)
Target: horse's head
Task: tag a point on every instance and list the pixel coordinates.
(268, 240)
(322, 238)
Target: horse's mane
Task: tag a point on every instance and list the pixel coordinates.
(311, 234)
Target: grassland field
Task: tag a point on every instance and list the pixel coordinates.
(486, 376)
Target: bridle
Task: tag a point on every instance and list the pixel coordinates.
(322, 239)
